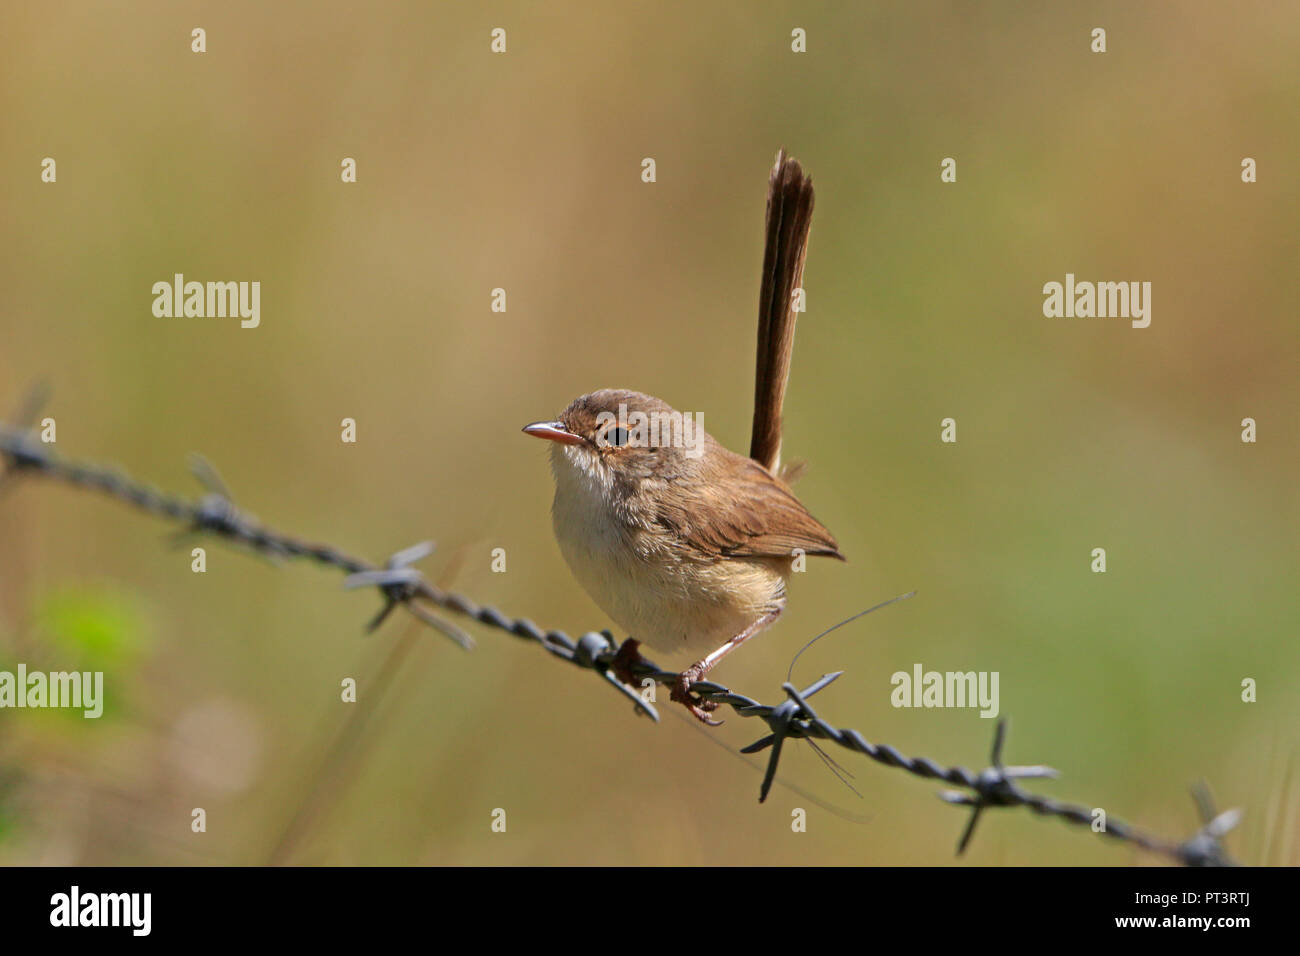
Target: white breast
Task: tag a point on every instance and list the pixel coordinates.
(664, 599)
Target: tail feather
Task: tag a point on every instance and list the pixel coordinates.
(789, 217)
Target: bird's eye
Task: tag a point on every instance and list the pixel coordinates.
(616, 437)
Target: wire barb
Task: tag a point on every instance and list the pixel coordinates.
(994, 787)
(215, 514)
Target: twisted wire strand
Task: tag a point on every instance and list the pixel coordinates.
(401, 585)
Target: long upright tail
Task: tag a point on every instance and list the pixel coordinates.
(789, 216)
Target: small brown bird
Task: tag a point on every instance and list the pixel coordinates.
(685, 544)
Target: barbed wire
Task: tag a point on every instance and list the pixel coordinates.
(401, 585)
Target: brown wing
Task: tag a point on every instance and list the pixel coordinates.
(745, 512)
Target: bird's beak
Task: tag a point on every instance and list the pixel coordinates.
(553, 431)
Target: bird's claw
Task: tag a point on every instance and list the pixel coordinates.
(629, 654)
(697, 705)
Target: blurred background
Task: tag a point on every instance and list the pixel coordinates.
(522, 171)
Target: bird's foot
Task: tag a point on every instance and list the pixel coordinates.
(628, 656)
(697, 705)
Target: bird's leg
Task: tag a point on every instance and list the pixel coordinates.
(629, 653)
(682, 689)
